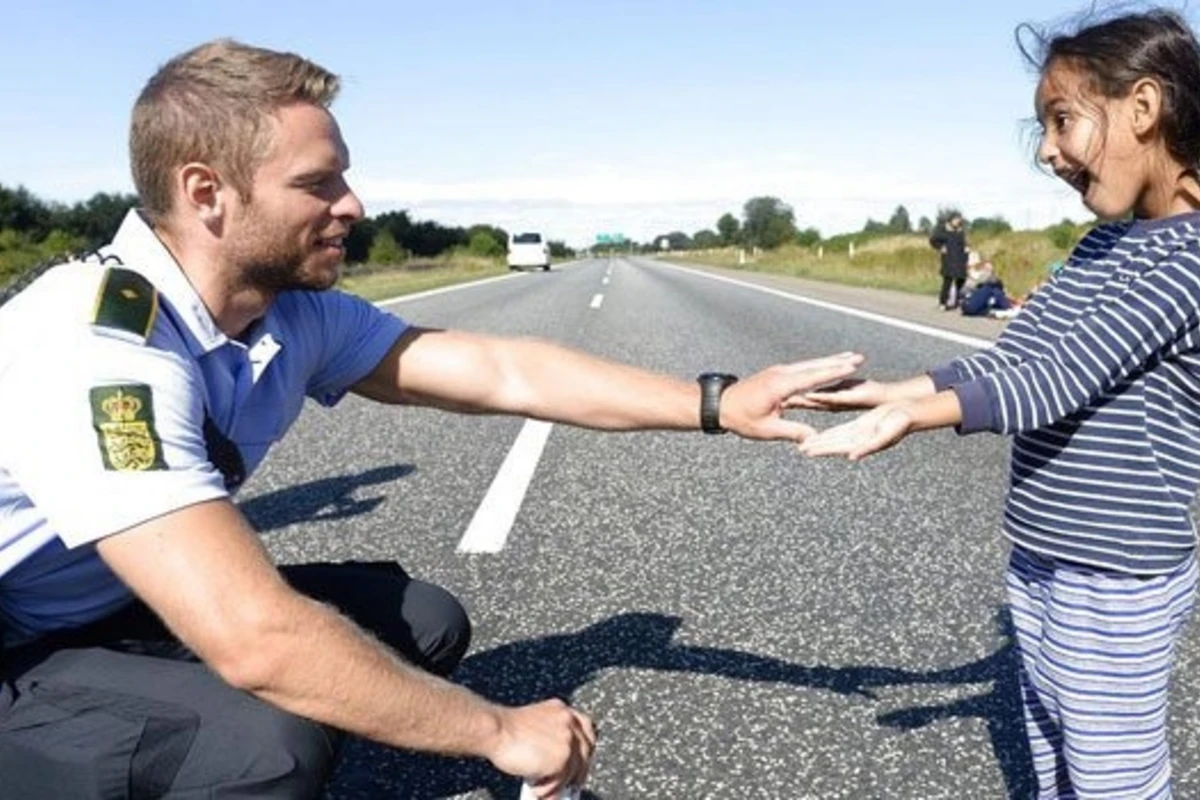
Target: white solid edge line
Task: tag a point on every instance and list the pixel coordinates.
(915, 327)
(597, 300)
(489, 528)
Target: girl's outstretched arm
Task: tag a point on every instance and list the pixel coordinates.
(854, 393)
(884, 426)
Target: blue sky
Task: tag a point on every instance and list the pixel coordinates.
(578, 117)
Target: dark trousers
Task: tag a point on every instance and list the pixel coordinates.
(122, 709)
(944, 295)
(986, 297)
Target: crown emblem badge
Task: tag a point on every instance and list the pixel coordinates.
(123, 417)
(122, 407)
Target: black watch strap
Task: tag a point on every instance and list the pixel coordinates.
(712, 384)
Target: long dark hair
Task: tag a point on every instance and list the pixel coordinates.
(1116, 53)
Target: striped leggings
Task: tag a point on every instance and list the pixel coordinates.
(1095, 659)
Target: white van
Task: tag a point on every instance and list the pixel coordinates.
(528, 250)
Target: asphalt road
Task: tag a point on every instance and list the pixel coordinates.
(739, 621)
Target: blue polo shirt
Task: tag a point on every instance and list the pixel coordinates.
(101, 429)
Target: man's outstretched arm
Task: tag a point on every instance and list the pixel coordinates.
(204, 572)
(533, 378)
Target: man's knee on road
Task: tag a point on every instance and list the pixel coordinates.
(421, 621)
(446, 632)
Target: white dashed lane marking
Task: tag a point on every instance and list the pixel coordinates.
(489, 528)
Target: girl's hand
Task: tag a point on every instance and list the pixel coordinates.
(842, 396)
(868, 433)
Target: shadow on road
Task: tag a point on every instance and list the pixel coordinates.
(325, 499)
(1000, 708)
(531, 670)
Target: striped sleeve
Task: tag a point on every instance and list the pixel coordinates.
(1021, 335)
(1105, 347)
(1005, 352)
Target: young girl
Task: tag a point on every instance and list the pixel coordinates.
(1098, 380)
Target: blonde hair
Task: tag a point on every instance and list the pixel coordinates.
(213, 104)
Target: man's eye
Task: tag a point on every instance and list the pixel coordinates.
(317, 183)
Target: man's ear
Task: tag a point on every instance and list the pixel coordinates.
(200, 187)
(1147, 97)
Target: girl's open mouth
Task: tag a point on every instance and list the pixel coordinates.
(1080, 180)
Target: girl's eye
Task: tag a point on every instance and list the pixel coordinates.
(1060, 120)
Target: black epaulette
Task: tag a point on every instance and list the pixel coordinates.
(126, 304)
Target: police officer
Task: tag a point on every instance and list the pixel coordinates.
(151, 648)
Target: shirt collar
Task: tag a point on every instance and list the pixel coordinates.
(139, 248)
(1148, 226)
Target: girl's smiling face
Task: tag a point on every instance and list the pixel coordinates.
(1111, 150)
(1091, 142)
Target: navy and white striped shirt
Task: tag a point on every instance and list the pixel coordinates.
(1098, 377)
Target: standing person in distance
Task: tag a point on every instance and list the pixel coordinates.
(950, 240)
(150, 646)
(1096, 380)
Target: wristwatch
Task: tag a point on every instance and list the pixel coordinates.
(712, 384)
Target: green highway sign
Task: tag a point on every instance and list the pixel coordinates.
(610, 238)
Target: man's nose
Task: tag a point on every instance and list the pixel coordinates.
(348, 206)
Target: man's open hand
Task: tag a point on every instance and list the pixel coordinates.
(754, 407)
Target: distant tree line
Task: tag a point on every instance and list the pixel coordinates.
(33, 231)
(768, 223)
(394, 237)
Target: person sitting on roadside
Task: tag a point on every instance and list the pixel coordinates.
(983, 292)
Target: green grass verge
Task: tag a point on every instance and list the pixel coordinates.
(903, 263)
(382, 282)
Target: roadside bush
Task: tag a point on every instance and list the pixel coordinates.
(484, 245)
(384, 249)
(1065, 235)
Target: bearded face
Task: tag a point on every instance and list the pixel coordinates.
(276, 256)
(290, 232)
